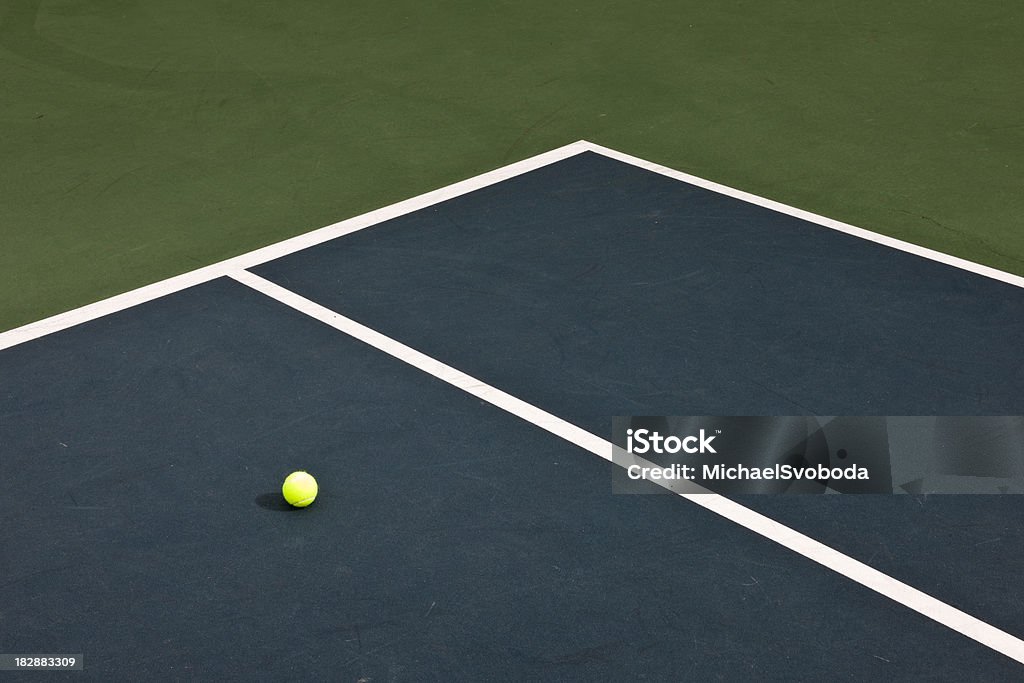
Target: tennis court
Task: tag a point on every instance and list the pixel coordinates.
(505, 272)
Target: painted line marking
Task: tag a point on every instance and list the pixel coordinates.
(806, 546)
(823, 221)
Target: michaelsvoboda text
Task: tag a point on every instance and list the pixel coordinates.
(643, 441)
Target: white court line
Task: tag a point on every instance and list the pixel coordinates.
(823, 221)
(824, 555)
(156, 290)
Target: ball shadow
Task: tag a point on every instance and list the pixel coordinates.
(274, 501)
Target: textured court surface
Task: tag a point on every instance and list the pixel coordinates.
(143, 450)
(145, 138)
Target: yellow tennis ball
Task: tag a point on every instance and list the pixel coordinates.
(299, 489)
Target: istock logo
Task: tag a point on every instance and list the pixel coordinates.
(642, 441)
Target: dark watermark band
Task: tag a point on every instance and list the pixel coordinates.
(819, 455)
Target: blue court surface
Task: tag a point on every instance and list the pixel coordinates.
(449, 369)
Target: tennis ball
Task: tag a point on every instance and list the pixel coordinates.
(299, 489)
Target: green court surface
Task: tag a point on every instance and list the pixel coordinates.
(142, 139)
